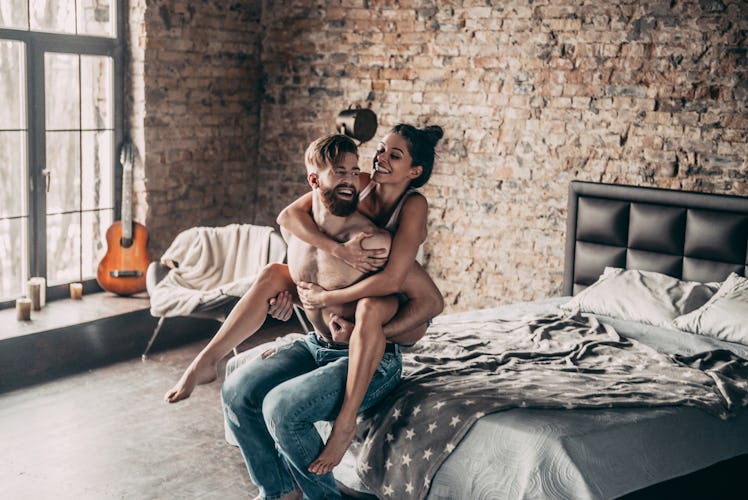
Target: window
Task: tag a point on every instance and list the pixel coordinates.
(60, 121)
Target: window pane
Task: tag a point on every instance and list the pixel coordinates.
(93, 239)
(97, 92)
(13, 177)
(63, 248)
(96, 17)
(63, 164)
(14, 14)
(12, 85)
(53, 15)
(96, 180)
(13, 265)
(62, 91)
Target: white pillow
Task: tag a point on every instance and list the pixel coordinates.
(724, 316)
(643, 296)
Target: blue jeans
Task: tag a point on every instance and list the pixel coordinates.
(271, 406)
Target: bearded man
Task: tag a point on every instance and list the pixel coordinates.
(272, 402)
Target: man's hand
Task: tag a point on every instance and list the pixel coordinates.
(281, 306)
(340, 329)
(353, 253)
(311, 295)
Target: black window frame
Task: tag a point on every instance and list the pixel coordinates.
(38, 43)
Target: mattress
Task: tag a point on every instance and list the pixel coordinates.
(594, 453)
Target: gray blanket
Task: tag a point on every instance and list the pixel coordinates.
(465, 369)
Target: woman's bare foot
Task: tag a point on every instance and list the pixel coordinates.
(340, 439)
(199, 372)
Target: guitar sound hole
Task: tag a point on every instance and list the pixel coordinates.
(125, 242)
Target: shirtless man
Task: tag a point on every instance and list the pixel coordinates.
(334, 211)
(272, 402)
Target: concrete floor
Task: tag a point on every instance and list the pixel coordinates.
(107, 433)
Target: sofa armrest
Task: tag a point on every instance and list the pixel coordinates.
(156, 272)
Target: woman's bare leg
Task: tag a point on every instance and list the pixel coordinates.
(366, 350)
(244, 320)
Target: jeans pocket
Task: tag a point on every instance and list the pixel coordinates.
(388, 371)
(386, 379)
(390, 364)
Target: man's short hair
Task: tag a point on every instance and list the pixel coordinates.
(327, 151)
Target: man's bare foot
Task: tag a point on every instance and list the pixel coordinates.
(294, 495)
(340, 439)
(199, 372)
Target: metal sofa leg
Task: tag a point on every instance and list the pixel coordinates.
(144, 356)
(302, 319)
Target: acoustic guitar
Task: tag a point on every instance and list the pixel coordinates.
(123, 267)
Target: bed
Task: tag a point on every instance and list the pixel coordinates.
(603, 392)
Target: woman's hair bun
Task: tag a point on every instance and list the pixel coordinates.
(434, 133)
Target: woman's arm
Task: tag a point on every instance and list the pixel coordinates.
(409, 236)
(297, 219)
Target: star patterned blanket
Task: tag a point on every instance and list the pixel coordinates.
(464, 370)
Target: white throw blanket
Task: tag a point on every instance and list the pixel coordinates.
(213, 261)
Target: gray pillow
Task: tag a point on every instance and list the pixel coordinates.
(643, 296)
(724, 316)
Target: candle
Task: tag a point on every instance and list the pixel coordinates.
(23, 309)
(35, 295)
(42, 289)
(76, 291)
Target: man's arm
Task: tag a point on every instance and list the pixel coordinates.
(425, 302)
(409, 324)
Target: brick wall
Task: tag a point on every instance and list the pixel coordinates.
(531, 96)
(194, 108)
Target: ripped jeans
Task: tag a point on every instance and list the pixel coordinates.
(271, 406)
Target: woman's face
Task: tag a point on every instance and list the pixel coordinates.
(392, 161)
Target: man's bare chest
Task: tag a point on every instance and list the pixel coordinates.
(307, 263)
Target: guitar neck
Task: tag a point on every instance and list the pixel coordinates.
(127, 202)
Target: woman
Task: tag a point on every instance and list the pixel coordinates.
(403, 162)
(248, 387)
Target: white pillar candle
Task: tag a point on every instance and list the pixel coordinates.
(76, 291)
(42, 289)
(23, 309)
(35, 295)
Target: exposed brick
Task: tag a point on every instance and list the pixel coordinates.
(530, 95)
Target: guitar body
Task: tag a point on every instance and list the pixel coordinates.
(122, 269)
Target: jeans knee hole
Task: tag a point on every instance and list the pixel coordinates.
(231, 415)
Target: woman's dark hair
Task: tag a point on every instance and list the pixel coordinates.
(421, 146)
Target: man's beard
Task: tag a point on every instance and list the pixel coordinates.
(337, 206)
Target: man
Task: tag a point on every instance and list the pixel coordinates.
(271, 403)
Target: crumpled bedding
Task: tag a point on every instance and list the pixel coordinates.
(466, 369)
(213, 261)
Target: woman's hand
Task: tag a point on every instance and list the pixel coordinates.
(340, 329)
(364, 260)
(281, 306)
(312, 295)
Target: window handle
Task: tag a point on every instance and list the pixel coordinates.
(47, 179)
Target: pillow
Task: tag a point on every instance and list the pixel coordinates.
(724, 316)
(644, 296)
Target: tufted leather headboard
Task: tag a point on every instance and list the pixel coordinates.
(692, 236)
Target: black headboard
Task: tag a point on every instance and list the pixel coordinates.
(692, 236)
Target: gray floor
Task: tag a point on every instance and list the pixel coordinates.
(108, 434)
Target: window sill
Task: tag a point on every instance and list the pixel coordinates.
(69, 336)
(68, 312)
